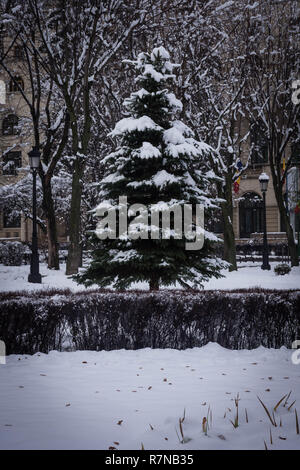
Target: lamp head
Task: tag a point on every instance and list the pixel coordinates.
(263, 180)
(34, 158)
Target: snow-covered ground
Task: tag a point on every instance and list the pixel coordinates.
(129, 399)
(123, 399)
(248, 275)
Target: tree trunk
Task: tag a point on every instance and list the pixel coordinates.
(292, 246)
(81, 256)
(48, 206)
(74, 252)
(229, 239)
(154, 284)
(53, 254)
(229, 253)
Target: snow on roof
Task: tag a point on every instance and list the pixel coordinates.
(131, 124)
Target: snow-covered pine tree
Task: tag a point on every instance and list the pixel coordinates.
(158, 163)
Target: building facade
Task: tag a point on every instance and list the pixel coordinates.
(14, 143)
(248, 201)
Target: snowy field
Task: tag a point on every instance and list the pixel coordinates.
(123, 399)
(248, 275)
(156, 399)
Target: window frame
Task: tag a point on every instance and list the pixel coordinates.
(10, 123)
(258, 147)
(16, 157)
(250, 214)
(295, 153)
(20, 54)
(11, 224)
(12, 85)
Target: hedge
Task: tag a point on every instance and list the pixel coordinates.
(101, 320)
(12, 253)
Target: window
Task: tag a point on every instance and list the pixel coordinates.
(11, 220)
(259, 146)
(295, 152)
(10, 125)
(19, 52)
(250, 214)
(16, 84)
(11, 161)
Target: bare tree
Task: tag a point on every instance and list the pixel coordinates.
(211, 87)
(273, 64)
(49, 120)
(79, 40)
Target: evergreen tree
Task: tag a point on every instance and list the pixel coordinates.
(157, 164)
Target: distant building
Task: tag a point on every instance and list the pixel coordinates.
(15, 145)
(248, 215)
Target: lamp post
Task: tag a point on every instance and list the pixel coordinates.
(34, 276)
(264, 180)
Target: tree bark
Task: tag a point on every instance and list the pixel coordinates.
(229, 251)
(74, 252)
(53, 253)
(48, 206)
(275, 166)
(229, 239)
(154, 284)
(292, 246)
(81, 253)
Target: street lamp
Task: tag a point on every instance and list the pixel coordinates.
(34, 162)
(264, 180)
